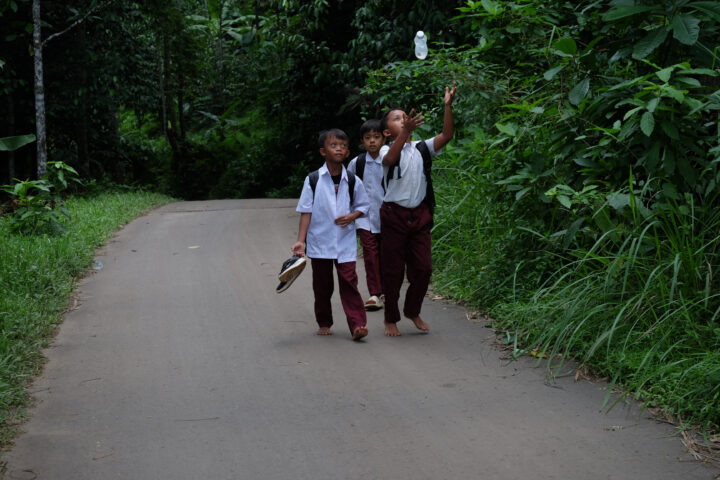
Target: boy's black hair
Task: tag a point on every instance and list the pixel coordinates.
(383, 122)
(333, 132)
(372, 125)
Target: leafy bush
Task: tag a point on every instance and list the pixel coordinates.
(35, 203)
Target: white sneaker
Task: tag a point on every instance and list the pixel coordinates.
(373, 303)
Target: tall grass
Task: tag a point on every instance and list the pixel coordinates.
(37, 276)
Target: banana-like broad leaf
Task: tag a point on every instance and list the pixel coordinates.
(623, 11)
(686, 29)
(8, 144)
(711, 9)
(648, 44)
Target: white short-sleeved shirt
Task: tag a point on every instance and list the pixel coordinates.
(324, 238)
(372, 180)
(408, 190)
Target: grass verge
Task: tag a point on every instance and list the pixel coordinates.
(37, 277)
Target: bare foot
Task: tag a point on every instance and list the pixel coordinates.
(420, 324)
(391, 330)
(324, 331)
(359, 333)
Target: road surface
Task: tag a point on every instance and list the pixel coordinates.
(181, 362)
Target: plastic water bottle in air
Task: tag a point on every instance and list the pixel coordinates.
(421, 49)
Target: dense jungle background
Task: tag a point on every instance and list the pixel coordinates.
(577, 204)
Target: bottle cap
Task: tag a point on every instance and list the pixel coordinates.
(420, 34)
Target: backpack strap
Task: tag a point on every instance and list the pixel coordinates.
(427, 169)
(351, 186)
(315, 176)
(360, 165)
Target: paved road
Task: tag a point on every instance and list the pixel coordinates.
(182, 362)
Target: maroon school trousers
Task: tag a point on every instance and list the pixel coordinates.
(405, 243)
(371, 257)
(323, 286)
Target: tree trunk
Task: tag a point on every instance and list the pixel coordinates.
(170, 121)
(39, 92)
(181, 101)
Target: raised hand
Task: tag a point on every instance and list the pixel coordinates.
(412, 121)
(450, 94)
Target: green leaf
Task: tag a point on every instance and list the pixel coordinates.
(648, 44)
(698, 71)
(550, 74)
(668, 161)
(665, 73)
(632, 112)
(509, 129)
(687, 171)
(571, 232)
(618, 200)
(647, 123)
(670, 191)
(579, 91)
(652, 104)
(653, 157)
(522, 193)
(8, 144)
(623, 11)
(670, 129)
(567, 46)
(690, 81)
(693, 103)
(711, 9)
(673, 93)
(686, 29)
(584, 162)
(564, 201)
(491, 7)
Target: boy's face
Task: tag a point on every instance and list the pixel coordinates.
(372, 141)
(335, 150)
(395, 120)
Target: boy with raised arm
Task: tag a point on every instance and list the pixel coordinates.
(406, 215)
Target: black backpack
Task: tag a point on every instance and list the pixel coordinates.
(360, 165)
(427, 168)
(315, 176)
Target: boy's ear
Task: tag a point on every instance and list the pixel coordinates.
(386, 133)
(322, 151)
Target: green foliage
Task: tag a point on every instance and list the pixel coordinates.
(35, 203)
(15, 142)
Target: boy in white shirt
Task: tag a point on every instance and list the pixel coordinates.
(406, 215)
(328, 209)
(368, 167)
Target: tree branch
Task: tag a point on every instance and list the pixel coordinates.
(78, 21)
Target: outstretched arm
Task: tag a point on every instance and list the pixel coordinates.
(448, 125)
(299, 247)
(410, 123)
